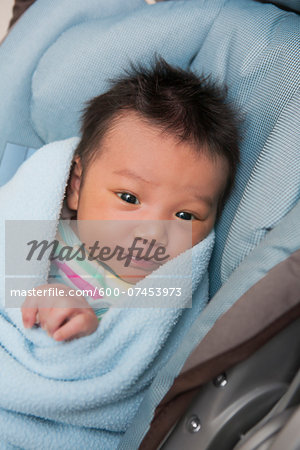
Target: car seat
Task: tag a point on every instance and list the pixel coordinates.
(254, 272)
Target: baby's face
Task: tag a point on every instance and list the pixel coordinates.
(148, 185)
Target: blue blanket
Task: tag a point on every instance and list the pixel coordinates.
(83, 393)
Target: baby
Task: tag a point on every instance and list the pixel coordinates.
(160, 147)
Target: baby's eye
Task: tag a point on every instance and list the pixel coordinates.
(129, 198)
(185, 215)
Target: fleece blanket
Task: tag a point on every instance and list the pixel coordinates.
(83, 393)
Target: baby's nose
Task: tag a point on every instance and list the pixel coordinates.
(152, 230)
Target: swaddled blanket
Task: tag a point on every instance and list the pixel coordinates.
(83, 393)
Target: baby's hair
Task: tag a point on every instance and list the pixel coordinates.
(190, 107)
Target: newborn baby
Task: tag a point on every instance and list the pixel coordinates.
(158, 151)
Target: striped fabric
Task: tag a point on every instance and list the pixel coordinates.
(89, 277)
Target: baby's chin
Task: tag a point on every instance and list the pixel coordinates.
(133, 275)
(133, 280)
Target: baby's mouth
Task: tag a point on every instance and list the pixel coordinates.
(146, 264)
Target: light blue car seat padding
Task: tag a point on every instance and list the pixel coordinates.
(58, 66)
(13, 156)
(106, 46)
(21, 51)
(253, 47)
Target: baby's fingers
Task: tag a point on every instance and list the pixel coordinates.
(29, 314)
(80, 325)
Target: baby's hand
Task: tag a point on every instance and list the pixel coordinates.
(64, 318)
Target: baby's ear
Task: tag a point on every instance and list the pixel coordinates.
(73, 187)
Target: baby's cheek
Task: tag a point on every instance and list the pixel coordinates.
(201, 230)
